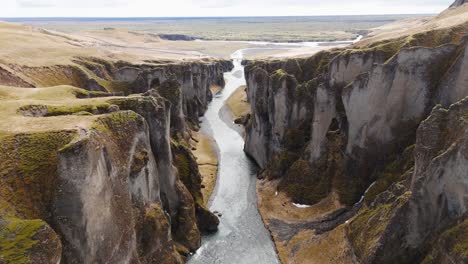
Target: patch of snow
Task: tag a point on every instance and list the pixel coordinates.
(276, 193)
(362, 197)
(301, 205)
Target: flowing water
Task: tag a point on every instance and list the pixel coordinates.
(242, 237)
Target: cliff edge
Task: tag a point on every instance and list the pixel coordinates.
(357, 145)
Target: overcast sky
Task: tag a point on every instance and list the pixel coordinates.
(168, 8)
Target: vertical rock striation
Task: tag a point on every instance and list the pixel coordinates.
(122, 186)
(340, 121)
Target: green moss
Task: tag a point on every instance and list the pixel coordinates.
(122, 119)
(457, 239)
(82, 93)
(183, 167)
(387, 48)
(429, 259)
(140, 159)
(170, 90)
(83, 113)
(305, 92)
(281, 72)
(435, 38)
(114, 86)
(54, 110)
(303, 185)
(187, 174)
(280, 77)
(67, 110)
(17, 238)
(317, 65)
(28, 172)
(367, 228)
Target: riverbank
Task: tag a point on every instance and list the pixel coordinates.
(294, 243)
(237, 103)
(206, 155)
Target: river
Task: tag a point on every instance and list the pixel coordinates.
(242, 237)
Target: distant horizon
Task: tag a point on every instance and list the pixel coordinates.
(214, 8)
(208, 17)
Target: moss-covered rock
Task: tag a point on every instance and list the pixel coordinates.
(396, 171)
(303, 185)
(54, 110)
(155, 229)
(190, 176)
(373, 225)
(28, 241)
(28, 180)
(184, 226)
(28, 174)
(450, 247)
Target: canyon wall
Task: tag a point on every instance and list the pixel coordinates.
(341, 121)
(121, 185)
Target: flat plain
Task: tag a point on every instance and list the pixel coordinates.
(272, 29)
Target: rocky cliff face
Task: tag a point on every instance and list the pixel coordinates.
(119, 77)
(458, 3)
(108, 191)
(121, 185)
(341, 121)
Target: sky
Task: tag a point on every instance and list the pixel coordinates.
(204, 8)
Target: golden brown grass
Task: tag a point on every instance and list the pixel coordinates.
(207, 160)
(449, 18)
(238, 104)
(215, 89)
(305, 247)
(13, 98)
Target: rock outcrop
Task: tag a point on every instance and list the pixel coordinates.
(108, 190)
(119, 186)
(341, 120)
(414, 213)
(124, 78)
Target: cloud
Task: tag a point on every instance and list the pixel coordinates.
(35, 3)
(216, 4)
(71, 3)
(157, 8)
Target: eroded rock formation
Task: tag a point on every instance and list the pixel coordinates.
(120, 185)
(341, 121)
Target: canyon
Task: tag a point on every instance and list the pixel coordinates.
(93, 175)
(369, 144)
(357, 153)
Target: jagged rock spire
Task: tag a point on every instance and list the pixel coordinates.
(459, 3)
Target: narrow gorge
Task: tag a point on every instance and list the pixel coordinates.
(242, 237)
(344, 152)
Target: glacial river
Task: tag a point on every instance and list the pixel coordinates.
(242, 237)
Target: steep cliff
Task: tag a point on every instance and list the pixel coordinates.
(459, 3)
(124, 78)
(337, 124)
(91, 177)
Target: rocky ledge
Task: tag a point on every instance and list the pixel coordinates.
(382, 128)
(92, 175)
